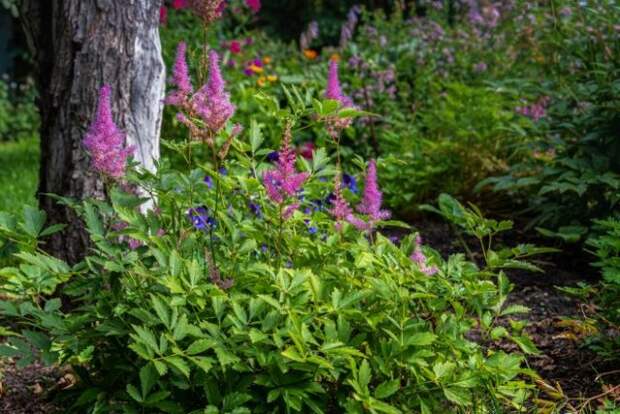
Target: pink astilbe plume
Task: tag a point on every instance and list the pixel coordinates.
(371, 202)
(284, 181)
(254, 5)
(212, 102)
(333, 89)
(341, 210)
(105, 142)
(180, 78)
(418, 257)
(335, 124)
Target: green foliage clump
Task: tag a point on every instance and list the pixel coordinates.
(317, 319)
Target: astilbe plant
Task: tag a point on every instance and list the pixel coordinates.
(370, 205)
(334, 123)
(105, 142)
(284, 182)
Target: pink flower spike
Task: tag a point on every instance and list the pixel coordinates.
(371, 202)
(333, 90)
(254, 5)
(284, 181)
(212, 102)
(180, 78)
(418, 257)
(105, 142)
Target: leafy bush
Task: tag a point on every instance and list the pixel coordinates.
(572, 174)
(226, 298)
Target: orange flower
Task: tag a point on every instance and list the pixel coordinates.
(310, 54)
(266, 60)
(261, 81)
(335, 57)
(255, 69)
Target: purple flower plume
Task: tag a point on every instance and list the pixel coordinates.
(105, 142)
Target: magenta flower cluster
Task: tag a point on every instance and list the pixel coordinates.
(105, 142)
(211, 103)
(535, 111)
(283, 182)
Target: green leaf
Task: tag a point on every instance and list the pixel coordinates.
(148, 378)
(133, 393)
(200, 346)
(387, 388)
(363, 376)
(458, 396)
(526, 345)
(178, 363)
(421, 339)
(34, 220)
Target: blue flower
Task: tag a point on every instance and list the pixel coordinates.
(208, 181)
(223, 171)
(273, 156)
(200, 218)
(350, 182)
(255, 208)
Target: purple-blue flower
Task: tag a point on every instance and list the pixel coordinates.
(199, 216)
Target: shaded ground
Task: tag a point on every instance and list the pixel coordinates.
(564, 361)
(25, 390)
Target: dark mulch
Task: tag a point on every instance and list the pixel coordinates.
(26, 390)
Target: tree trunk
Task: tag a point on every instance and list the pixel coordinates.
(78, 46)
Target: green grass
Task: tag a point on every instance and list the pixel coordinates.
(19, 174)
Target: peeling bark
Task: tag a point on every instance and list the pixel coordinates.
(79, 45)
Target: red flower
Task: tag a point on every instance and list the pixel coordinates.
(235, 47)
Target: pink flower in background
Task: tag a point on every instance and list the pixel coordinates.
(180, 78)
(335, 124)
(105, 142)
(418, 257)
(333, 89)
(235, 47)
(284, 181)
(212, 102)
(179, 4)
(163, 15)
(535, 111)
(371, 202)
(254, 5)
